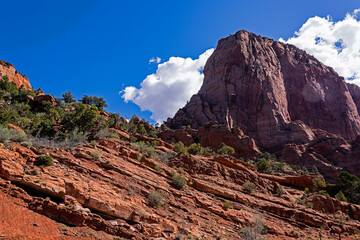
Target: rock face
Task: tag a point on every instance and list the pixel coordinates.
(212, 135)
(111, 195)
(355, 94)
(13, 75)
(330, 154)
(275, 92)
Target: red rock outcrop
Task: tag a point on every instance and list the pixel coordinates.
(273, 91)
(212, 135)
(355, 94)
(14, 76)
(331, 154)
(109, 194)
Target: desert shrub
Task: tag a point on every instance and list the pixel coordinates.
(315, 170)
(180, 148)
(349, 184)
(208, 150)
(7, 135)
(318, 183)
(195, 149)
(141, 130)
(140, 146)
(324, 193)
(254, 231)
(155, 198)
(263, 165)
(278, 166)
(26, 144)
(83, 118)
(225, 149)
(227, 205)
(44, 160)
(267, 156)
(99, 102)
(180, 170)
(96, 154)
(166, 157)
(249, 186)
(179, 181)
(280, 190)
(68, 97)
(106, 133)
(340, 196)
(151, 152)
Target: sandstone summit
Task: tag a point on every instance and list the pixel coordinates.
(275, 92)
(7, 69)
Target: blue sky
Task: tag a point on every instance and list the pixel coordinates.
(100, 47)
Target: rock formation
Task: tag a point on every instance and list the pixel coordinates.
(13, 75)
(110, 195)
(275, 92)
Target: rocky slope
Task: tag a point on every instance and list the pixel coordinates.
(14, 76)
(275, 92)
(107, 195)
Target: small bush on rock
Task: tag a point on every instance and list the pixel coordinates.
(96, 154)
(263, 165)
(44, 160)
(179, 181)
(249, 186)
(195, 149)
(156, 198)
(341, 197)
(225, 149)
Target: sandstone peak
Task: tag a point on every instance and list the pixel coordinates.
(275, 92)
(7, 69)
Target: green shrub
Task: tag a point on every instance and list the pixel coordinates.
(106, 133)
(180, 148)
(324, 193)
(341, 197)
(225, 149)
(318, 183)
(151, 152)
(227, 205)
(68, 97)
(166, 157)
(208, 150)
(349, 184)
(141, 130)
(263, 165)
(7, 135)
(280, 190)
(44, 160)
(180, 170)
(315, 170)
(179, 181)
(155, 198)
(195, 149)
(249, 186)
(96, 154)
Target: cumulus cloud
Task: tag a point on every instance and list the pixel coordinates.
(155, 60)
(167, 90)
(336, 44)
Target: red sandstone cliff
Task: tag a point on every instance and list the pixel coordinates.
(275, 92)
(14, 76)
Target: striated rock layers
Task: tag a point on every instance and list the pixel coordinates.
(275, 92)
(7, 69)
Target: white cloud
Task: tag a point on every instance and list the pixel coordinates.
(155, 60)
(336, 44)
(167, 90)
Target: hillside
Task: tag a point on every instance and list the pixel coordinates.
(71, 170)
